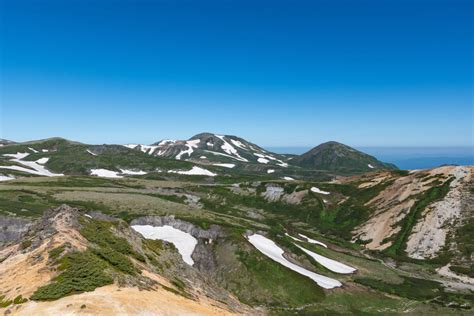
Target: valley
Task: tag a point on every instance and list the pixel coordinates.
(84, 223)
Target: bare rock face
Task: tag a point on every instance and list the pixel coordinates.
(12, 229)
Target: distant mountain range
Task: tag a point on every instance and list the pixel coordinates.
(204, 154)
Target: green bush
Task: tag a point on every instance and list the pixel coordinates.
(81, 272)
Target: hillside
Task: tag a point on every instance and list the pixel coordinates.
(339, 158)
(359, 244)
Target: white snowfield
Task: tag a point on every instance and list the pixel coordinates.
(6, 178)
(370, 166)
(312, 241)
(133, 172)
(184, 242)
(271, 250)
(191, 144)
(333, 265)
(238, 143)
(229, 149)
(33, 150)
(144, 148)
(225, 165)
(288, 178)
(104, 173)
(42, 161)
(317, 190)
(90, 152)
(34, 167)
(270, 170)
(266, 159)
(195, 171)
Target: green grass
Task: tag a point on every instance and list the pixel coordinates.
(257, 280)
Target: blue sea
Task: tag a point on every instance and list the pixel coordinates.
(407, 158)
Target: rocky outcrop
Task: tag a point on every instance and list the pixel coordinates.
(430, 234)
(12, 229)
(203, 254)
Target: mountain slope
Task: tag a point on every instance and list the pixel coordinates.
(339, 158)
(213, 148)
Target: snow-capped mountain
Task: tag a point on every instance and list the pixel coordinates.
(226, 150)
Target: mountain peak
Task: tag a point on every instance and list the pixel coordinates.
(337, 157)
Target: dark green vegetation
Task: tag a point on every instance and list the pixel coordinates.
(339, 158)
(80, 272)
(420, 290)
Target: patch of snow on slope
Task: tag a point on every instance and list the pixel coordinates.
(238, 143)
(224, 155)
(42, 161)
(104, 173)
(203, 157)
(333, 265)
(370, 166)
(269, 157)
(294, 238)
(317, 190)
(225, 165)
(184, 242)
(45, 150)
(90, 152)
(312, 241)
(270, 170)
(288, 178)
(17, 155)
(33, 150)
(263, 160)
(191, 144)
(195, 171)
(6, 178)
(271, 250)
(131, 146)
(33, 166)
(166, 142)
(228, 148)
(132, 172)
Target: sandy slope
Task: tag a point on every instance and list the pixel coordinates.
(112, 300)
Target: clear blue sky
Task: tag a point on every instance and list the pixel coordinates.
(279, 73)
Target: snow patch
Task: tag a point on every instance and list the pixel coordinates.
(270, 170)
(288, 178)
(333, 265)
(33, 150)
(238, 143)
(34, 167)
(90, 152)
(263, 160)
(191, 144)
(184, 242)
(271, 250)
(312, 241)
(203, 157)
(42, 161)
(225, 165)
(104, 173)
(370, 166)
(132, 172)
(195, 171)
(6, 178)
(317, 190)
(229, 149)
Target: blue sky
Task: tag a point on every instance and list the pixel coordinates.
(279, 73)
